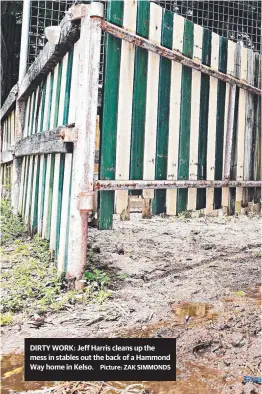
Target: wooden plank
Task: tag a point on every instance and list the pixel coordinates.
(159, 203)
(174, 118)
(241, 126)
(29, 190)
(57, 96)
(52, 141)
(211, 139)
(25, 185)
(42, 111)
(203, 119)
(124, 119)
(155, 24)
(47, 103)
(34, 208)
(32, 113)
(27, 111)
(64, 213)
(41, 195)
(53, 106)
(50, 196)
(74, 84)
(59, 202)
(139, 95)
(50, 100)
(34, 120)
(62, 90)
(22, 184)
(110, 110)
(220, 121)
(54, 212)
(185, 115)
(195, 115)
(46, 197)
(68, 86)
(257, 128)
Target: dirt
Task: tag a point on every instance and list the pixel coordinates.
(194, 279)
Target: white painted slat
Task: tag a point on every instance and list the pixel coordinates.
(12, 127)
(52, 116)
(174, 116)
(29, 188)
(125, 98)
(41, 175)
(195, 114)
(21, 186)
(230, 71)
(25, 187)
(62, 91)
(64, 212)
(74, 84)
(45, 216)
(152, 98)
(211, 139)
(4, 136)
(55, 202)
(47, 103)
(34, 118)
(33, 192)
(241, 130)
(25, 132)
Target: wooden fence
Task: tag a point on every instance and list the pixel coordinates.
(168, 120)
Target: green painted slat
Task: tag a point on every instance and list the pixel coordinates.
(43, 190)
(68, 222)
(59, 200)
(29, 115)
(115, 12)
(203, 119)
(34, 221)
(32, 120)
(26, 184)
(42, 107)
(109, 121)
(159, 202)
(68, 85)
(221, 101)
(50, 196)
(57, 97)
(31, 193)
(185, 116)
(139, 96)
(50, 103)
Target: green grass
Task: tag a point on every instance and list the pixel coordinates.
(30, 282)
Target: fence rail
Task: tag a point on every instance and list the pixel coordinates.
(180, 120)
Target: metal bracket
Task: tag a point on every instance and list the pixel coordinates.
(86, 202)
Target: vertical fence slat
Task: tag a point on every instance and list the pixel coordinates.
(74, 83)
(203, 119)
(220, 120)
(57, 95)
(68, 86)
(211, 139)
(47, 102)
(50, 100)
(53, 107)
(174, 118)
(34, 208)
(42, 110)
(55, 202)
(42, 174)
(159, 203)
(124, 118)
(50, 197)
(185, 115)
(21, 191)
(257, 127)
(25, 185)
(59, 202)
(64, 212)
(46, 196)
(29, 190)
(195, 114)
(155, 23)
(63, 90)
(139, 95)
(25, 131)
(110, 110)
(241, 126)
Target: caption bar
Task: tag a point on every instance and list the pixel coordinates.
(152, 359)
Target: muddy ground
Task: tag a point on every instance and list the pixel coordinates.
(162, 270)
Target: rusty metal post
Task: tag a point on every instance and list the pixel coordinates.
(84, 148)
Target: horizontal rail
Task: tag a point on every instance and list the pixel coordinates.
(200, 184)
(174, 55)
(10, 101)
(52, 141)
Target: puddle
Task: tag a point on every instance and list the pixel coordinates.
(12, 372)
(193, 309)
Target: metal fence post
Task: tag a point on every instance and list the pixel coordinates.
(84, 148)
